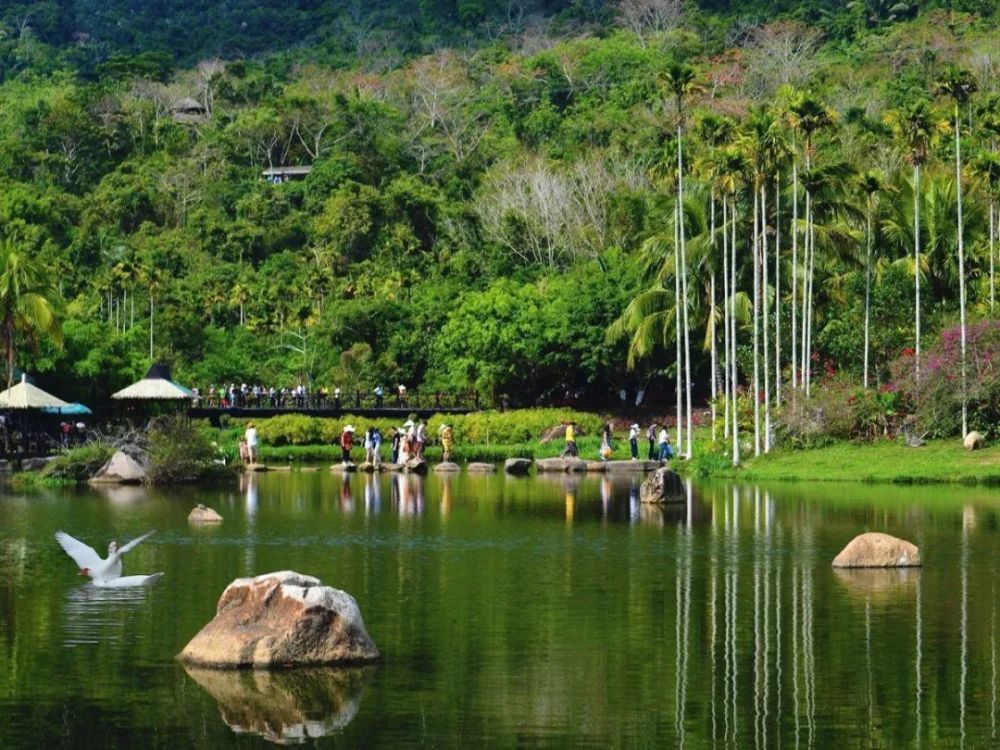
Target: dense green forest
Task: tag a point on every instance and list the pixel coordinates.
(493, 202)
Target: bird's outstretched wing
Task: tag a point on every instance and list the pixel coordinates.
(135, 542)
(84, 556)
(128, 581)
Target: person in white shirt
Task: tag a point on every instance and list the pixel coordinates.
(633, 441)
(251, 437)
(665, 452)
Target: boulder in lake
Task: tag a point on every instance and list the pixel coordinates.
(517, 466)
(123, 468)
(875, 550)
(416, 466)
(203, 514)
(257, 468)
(481, 468)
(342, 467)
(663, 486)
(282, 619)
(447, 467)
(975, 441)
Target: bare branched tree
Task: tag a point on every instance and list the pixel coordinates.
(779, 54)
(648, 17)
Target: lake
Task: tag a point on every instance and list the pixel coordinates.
(541, 612)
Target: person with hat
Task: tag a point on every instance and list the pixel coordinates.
(250, 436)
(633, 440)
(346, 443)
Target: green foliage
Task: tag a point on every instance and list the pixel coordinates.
(81, 463)
(182, 450)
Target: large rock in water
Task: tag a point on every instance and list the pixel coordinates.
(447, 467)
(122, 468)
(874, 550)
(517, 466)
(282, 619)
(663, 487)
(975, 441)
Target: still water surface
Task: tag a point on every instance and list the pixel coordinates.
(515, 612)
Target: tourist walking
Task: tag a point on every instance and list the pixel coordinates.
(251, 438)
(606, 450)
(633, 441)
(379, 396)
(666, 452)
(571, 449)
(346, 443)
(421, 436)
(651, 439)
(336, 398)
(396, 437)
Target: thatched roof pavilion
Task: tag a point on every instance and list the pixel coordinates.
(156, 386)
(24, 395)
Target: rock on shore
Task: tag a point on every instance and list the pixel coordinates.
(975, 441)
(122, 468)
(282, 619)
(875, 550)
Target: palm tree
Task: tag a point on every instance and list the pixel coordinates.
(987, 166)
(958, 85)
(914, 126)
(714, 132)
(30, 303)
(871, 184)
(810, 116)
(680, 80)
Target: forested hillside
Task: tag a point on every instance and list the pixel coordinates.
(493, 192)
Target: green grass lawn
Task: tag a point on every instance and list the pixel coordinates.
(937, 461)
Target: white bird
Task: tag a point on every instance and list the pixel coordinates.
(105, 573)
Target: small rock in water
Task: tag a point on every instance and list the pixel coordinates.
(282, 619)
(416, 466)
(517, 466)
(447, 467)
(203, 514)
(875, 550)
(481, 468)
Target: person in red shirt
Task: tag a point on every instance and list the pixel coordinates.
(346, 443)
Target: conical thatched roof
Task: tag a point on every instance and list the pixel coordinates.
(24, 395)
(156, 386)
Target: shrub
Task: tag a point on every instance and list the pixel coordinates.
(81, 463)
(181, 450)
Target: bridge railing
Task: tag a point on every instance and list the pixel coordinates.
(348, 400)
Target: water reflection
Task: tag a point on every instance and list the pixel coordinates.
(285, 707)
(94, 615)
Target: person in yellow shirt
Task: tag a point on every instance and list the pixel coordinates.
(571, 449)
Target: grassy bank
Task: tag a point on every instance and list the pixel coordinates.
(939, 461)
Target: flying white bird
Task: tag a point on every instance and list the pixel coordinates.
(106, 573)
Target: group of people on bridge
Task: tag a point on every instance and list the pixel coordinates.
(302, 397)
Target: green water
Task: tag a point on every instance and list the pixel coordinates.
(515, 612)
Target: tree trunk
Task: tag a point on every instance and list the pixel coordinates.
(732, 337)
(677, 330)
(150, 324)
(684, 285)
(992, 236)
(868, 286)
(711, 312)
(777, 290)
(766, 321)
(795, 272)
(961, 270)
(725, 312)
(916, 265)
(755, 245)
